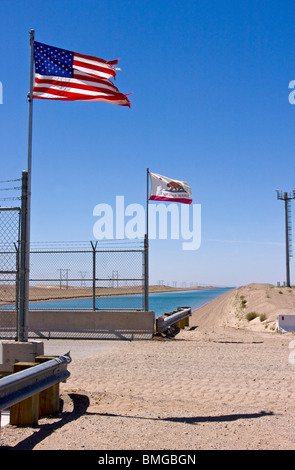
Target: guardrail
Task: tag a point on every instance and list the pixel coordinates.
(179, 317)
(26, 386)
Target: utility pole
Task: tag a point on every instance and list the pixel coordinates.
(287, 197)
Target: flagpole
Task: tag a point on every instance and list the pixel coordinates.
(146, 277)
(26, 235)
(147, 202)
(30, 99)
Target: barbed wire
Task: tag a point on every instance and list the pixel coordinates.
(99, 245)
(9, 181)
(11, 189)
(10, 198)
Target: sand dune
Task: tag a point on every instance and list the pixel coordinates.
(254, 307)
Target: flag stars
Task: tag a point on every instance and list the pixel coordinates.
(53, 61)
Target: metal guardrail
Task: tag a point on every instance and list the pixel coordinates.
(165, 321)
(18, 386)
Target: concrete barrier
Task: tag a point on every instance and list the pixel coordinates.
(87, 324)
(13, 351)
(285, 323)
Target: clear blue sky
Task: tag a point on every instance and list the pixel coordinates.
(209, 106)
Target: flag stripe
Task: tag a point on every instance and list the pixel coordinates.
(96, 59)
(175, 199)
(75, 83)
(67, 93)
(107, 99)
(94, 65)
(95, 72)
(79, 75)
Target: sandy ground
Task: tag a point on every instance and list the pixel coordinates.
(223, 383)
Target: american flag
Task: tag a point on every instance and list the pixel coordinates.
(69, 76)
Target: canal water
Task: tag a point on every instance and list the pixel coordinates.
(159, 303)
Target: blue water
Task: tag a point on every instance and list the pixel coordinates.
(159, 303)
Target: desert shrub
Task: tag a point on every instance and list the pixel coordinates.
(251, 315)
(244, 303)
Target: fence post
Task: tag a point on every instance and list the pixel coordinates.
(17, 286)
(24, 269)
(93, 273)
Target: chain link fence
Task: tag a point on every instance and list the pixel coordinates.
(9, 270)
(72, 276)
(88, 275)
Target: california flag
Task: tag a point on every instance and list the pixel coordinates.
(166, 189)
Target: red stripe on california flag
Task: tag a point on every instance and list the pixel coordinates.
(172, 199)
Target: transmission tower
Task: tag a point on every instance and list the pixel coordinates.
(64, 275)
(287, 197)
(115, 278)
(83, 276)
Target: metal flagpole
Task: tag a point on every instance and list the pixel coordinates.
(146, 276)
(26, 236)
(147, 202)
